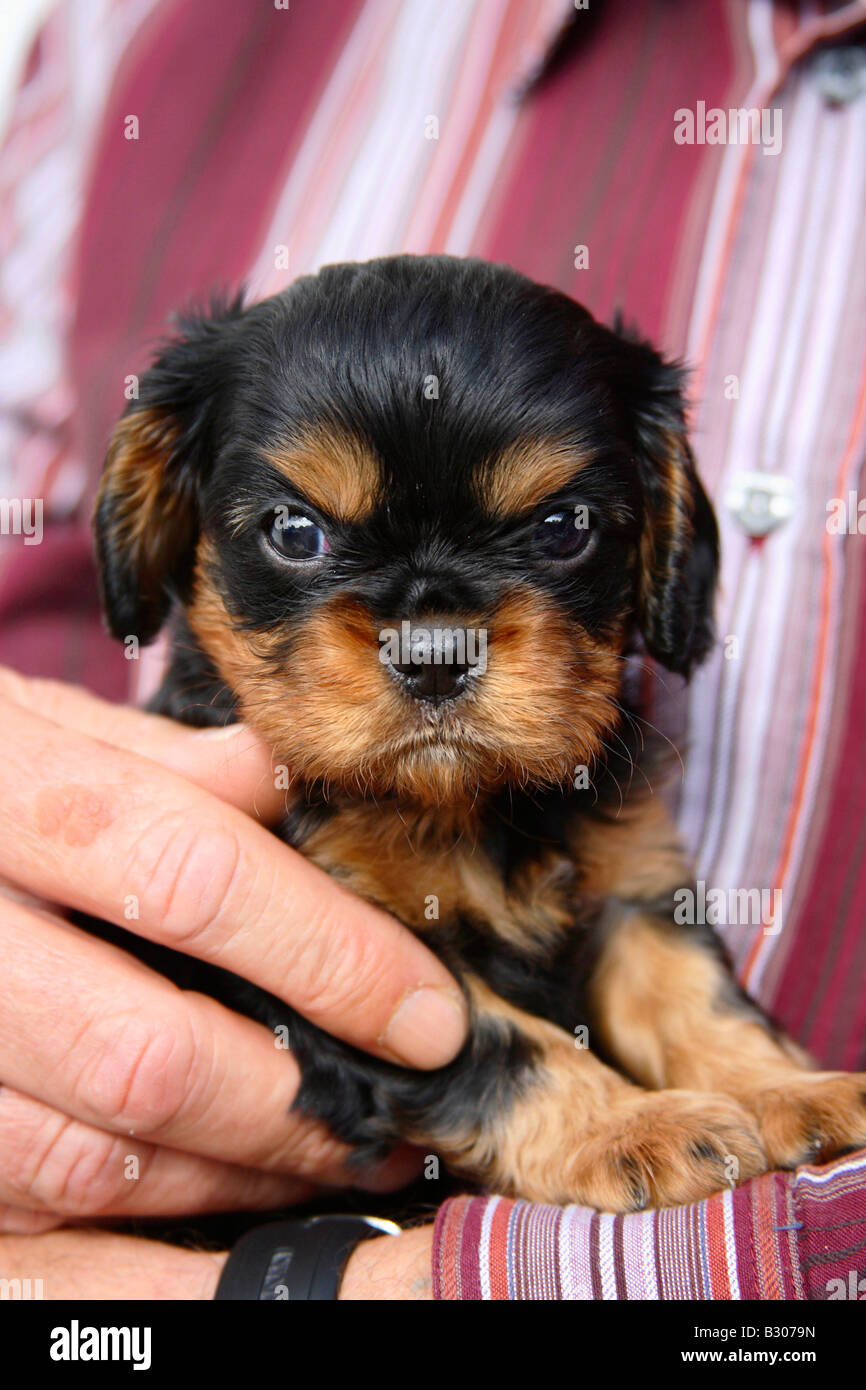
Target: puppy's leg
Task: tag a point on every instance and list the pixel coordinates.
(668, 1010)
(577, 1131)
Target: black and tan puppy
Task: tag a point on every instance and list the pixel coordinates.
(408, 520)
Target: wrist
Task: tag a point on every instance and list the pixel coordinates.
(391, 1268)
(101, 1265)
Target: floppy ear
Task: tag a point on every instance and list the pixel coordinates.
(679, 545)
(146, 517)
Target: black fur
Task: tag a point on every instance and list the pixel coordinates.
(352, 347)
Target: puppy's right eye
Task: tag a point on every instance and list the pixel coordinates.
(295, 536)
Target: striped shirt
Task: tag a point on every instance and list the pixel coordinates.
(781, 1237)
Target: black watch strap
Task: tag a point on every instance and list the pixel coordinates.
(295, 1260)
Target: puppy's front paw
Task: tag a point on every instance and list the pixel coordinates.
(666, 1148)
(810, 1116)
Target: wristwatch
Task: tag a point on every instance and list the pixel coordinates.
(294, 1260)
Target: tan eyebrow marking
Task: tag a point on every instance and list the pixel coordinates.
(527, 472)
(334, 469)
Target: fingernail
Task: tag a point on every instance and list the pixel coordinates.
(428, 1028)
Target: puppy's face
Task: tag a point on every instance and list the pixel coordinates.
(416, 511)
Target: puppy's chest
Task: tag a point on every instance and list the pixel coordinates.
(436, 878)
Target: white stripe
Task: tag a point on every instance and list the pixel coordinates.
(854, 1165)
(784, 305)
(373, 203)
(804, 424)
(457, 119)
(574, 1268)
(730, 1244)
(368, 34)
(606, 1266)
(710, 685)
(792, 434)
(638, 1256)
(648, 1245)
(486, 1225)
(491, 151)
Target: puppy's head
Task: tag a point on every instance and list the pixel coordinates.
(416, 511)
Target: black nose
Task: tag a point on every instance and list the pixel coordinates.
(432, 663)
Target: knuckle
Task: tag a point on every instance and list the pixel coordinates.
(307, 1151)
(82, 1172)
(183, 874)
(326, 981)
(138, 1073)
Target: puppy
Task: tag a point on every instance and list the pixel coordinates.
(410, 520)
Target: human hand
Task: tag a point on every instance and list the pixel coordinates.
(123, 1095)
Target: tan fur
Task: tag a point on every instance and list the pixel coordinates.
(670, 525)
(428, 873)
(663, 1013)
(720, 1086)
(334, 470)
(726, 1099)
(525, 474)
(635, 857)
(148, 514)
(330, 710)
(582, 1133)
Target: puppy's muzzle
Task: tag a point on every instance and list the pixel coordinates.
(435, 663)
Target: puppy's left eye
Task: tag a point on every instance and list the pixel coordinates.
(563, 535)
(295, 536)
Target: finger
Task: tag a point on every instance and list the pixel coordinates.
(58, 1166)
(231, 762)
(202, 878)
(90, 1033)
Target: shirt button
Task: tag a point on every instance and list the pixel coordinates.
(759, 502)
(841, 74)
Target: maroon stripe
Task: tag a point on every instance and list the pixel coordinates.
(661, 1279)
(619, 1259)
(470, 1251)
(49, 615)
(832, 1238)
(787, 1236)
(581, 149)
(595, 1255)
(745, 1229)
(222, 92)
